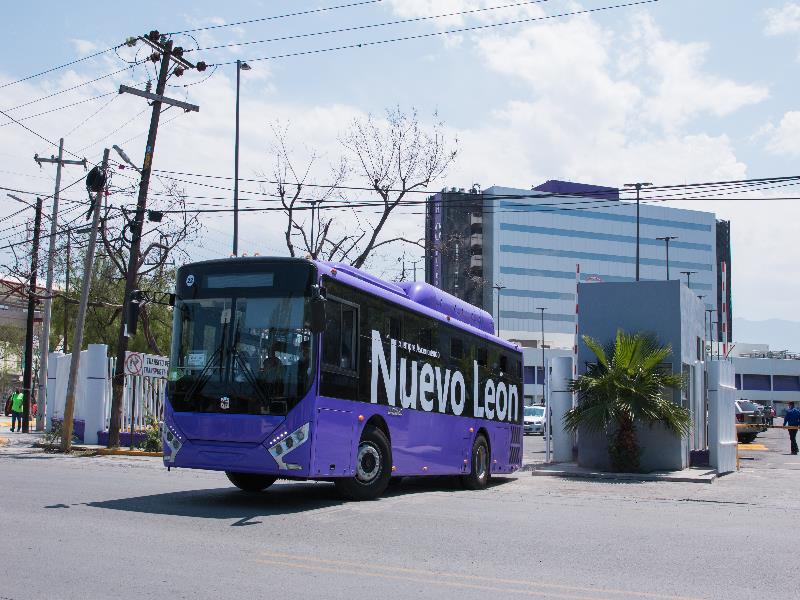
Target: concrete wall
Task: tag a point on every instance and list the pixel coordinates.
(671, 312)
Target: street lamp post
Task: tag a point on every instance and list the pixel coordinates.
(541, 310)
(666, 239)
(240, 66)
(688, 277)
(638, 186)
(710, 333)
(498, 287)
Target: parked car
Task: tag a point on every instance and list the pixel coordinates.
(533, 420)
(750, 420)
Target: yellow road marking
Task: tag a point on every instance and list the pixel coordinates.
(403, 573)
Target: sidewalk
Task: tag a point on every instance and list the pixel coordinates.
(691, 475)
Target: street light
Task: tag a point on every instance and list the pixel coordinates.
(543, 366)
(688, 277)
(498, 287)
(666, 239)
(240, 66)
(638, 187)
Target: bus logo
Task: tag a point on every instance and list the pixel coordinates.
(224, 403)
(189, 280)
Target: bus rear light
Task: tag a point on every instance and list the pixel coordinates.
(333, 271)
(472, 430)
(289, 443)
(394, 468)
(360, 418)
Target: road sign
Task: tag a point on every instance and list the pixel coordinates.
(146, 365)
(133, 363)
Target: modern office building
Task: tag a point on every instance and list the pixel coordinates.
(513, 252)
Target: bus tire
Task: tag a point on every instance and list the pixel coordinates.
(250, 482)
(373, 467)
(479, 474)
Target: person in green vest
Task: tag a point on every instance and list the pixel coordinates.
(16, 410)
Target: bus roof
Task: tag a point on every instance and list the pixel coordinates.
(419, 293)
(423, 295)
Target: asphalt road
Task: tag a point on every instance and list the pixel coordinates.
(105, 527)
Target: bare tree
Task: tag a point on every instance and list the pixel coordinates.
(393, 158)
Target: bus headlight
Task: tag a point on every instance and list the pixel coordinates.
(170, 441)
(287, 443)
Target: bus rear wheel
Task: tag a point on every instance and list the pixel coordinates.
(250, 482)
(373, 467)
(479, 474)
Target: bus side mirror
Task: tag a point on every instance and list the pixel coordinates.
(317, 305)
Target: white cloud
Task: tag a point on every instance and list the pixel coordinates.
(83, 46)
(785, 138)
(781, 21)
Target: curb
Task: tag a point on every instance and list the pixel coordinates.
(633, 477)
(100, 451)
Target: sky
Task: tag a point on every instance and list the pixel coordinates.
(669, 91)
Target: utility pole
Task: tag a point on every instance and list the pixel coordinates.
(44, 338)
(543, 363)
(498, 287)
(77, 344)
(66, 288)
(638, 187)
(165, 53)
(27, 374)
(666, 239)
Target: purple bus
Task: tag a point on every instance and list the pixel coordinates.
(297, 369)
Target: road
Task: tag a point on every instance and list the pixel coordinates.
(103, 527)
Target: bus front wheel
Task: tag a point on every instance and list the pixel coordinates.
(373, 467)
(250, 482)
(478, 477)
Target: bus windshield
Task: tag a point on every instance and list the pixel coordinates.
(238, 354)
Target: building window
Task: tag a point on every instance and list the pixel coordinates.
(738, 381)
(541, 377)
(529, 375)
(786, 383)
(756, 382)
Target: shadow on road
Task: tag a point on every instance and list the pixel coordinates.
(280, 499)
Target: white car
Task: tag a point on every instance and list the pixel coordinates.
(533, 420)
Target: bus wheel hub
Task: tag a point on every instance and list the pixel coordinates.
(369, 463)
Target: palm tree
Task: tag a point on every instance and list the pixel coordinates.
(627, 385)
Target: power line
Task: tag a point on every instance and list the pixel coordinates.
(50, 70)
(371, 25)
(52, 110)
(446, 32)
(74, 87)
(274, 17)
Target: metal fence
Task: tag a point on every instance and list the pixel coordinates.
(145, 393)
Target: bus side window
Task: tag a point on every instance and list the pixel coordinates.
(456, 348)
(426, 338)
(503, 363)
(395, 330)
(340, 341)
(482, 356)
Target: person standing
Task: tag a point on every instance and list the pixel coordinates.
(16, 410)
(792, 419)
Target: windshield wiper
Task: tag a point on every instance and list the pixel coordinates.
(204, 375)
(250, 376)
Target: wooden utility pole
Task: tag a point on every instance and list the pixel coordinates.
(66, 289)
(44, 338)
(77, 344)
(27, 374)
(167, 56)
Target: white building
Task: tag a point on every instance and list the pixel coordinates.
(766, 377)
